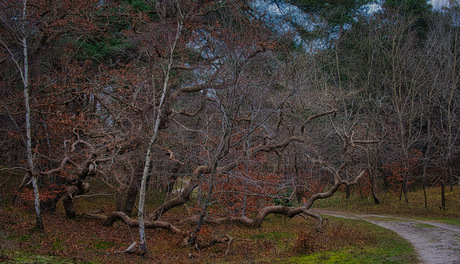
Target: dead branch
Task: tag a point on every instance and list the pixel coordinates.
(184, 196)
(333, 189)
(229, 244)
(129, 250)
(113, 217)
(302, 128)
(202, 245)
(269, 148)
(58, 169)
(195, 88)
(189, 114)
(245, 221)
(14, 168)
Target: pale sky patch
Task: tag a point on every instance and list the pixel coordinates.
(438, 4)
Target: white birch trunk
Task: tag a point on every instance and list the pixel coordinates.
(25, 79)
(148, 155)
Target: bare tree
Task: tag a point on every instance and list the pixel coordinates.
(23, 67)
(444, 55)
(153, 138)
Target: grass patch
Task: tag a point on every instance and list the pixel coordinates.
(424, 225)
(391, 205)
(380, 246)
(22, 257)
(450, 221)
(274, 235)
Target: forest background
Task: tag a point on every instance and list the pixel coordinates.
(230, 110)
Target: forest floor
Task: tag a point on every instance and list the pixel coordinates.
(363, 239)
(434, 242)
(279, 240)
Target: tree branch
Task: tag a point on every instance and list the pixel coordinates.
(302, 128)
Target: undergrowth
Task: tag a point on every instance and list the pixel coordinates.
(280, 239)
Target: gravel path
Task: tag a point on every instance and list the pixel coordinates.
(435, 243)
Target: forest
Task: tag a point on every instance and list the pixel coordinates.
(182, 118)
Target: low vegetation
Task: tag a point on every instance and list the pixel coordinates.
(280, 240)
(373, 245)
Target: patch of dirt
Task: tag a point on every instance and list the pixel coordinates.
(434, 242)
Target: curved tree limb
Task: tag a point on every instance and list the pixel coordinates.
(113, 217)
(302, 128)
(184, 196)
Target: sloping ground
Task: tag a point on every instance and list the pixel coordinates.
(434, 242)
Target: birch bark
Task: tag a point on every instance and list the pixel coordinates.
(25, 78)
(153, 138)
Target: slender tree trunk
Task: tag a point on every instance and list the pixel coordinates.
(119, 200)
(148, 155)
(373, 191)
(400, 192)
(219, 155)
(348, 192)
(203, 213)
(25, 79)
(443, 195)
(131, 195)
(68, 207)
(208, 198)
(425, 163)
(404, 188)
(424, 181)
(372, 171)
(299, 189)
(424, 196)
(140, 215)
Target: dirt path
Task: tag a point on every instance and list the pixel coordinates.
(433, 241)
